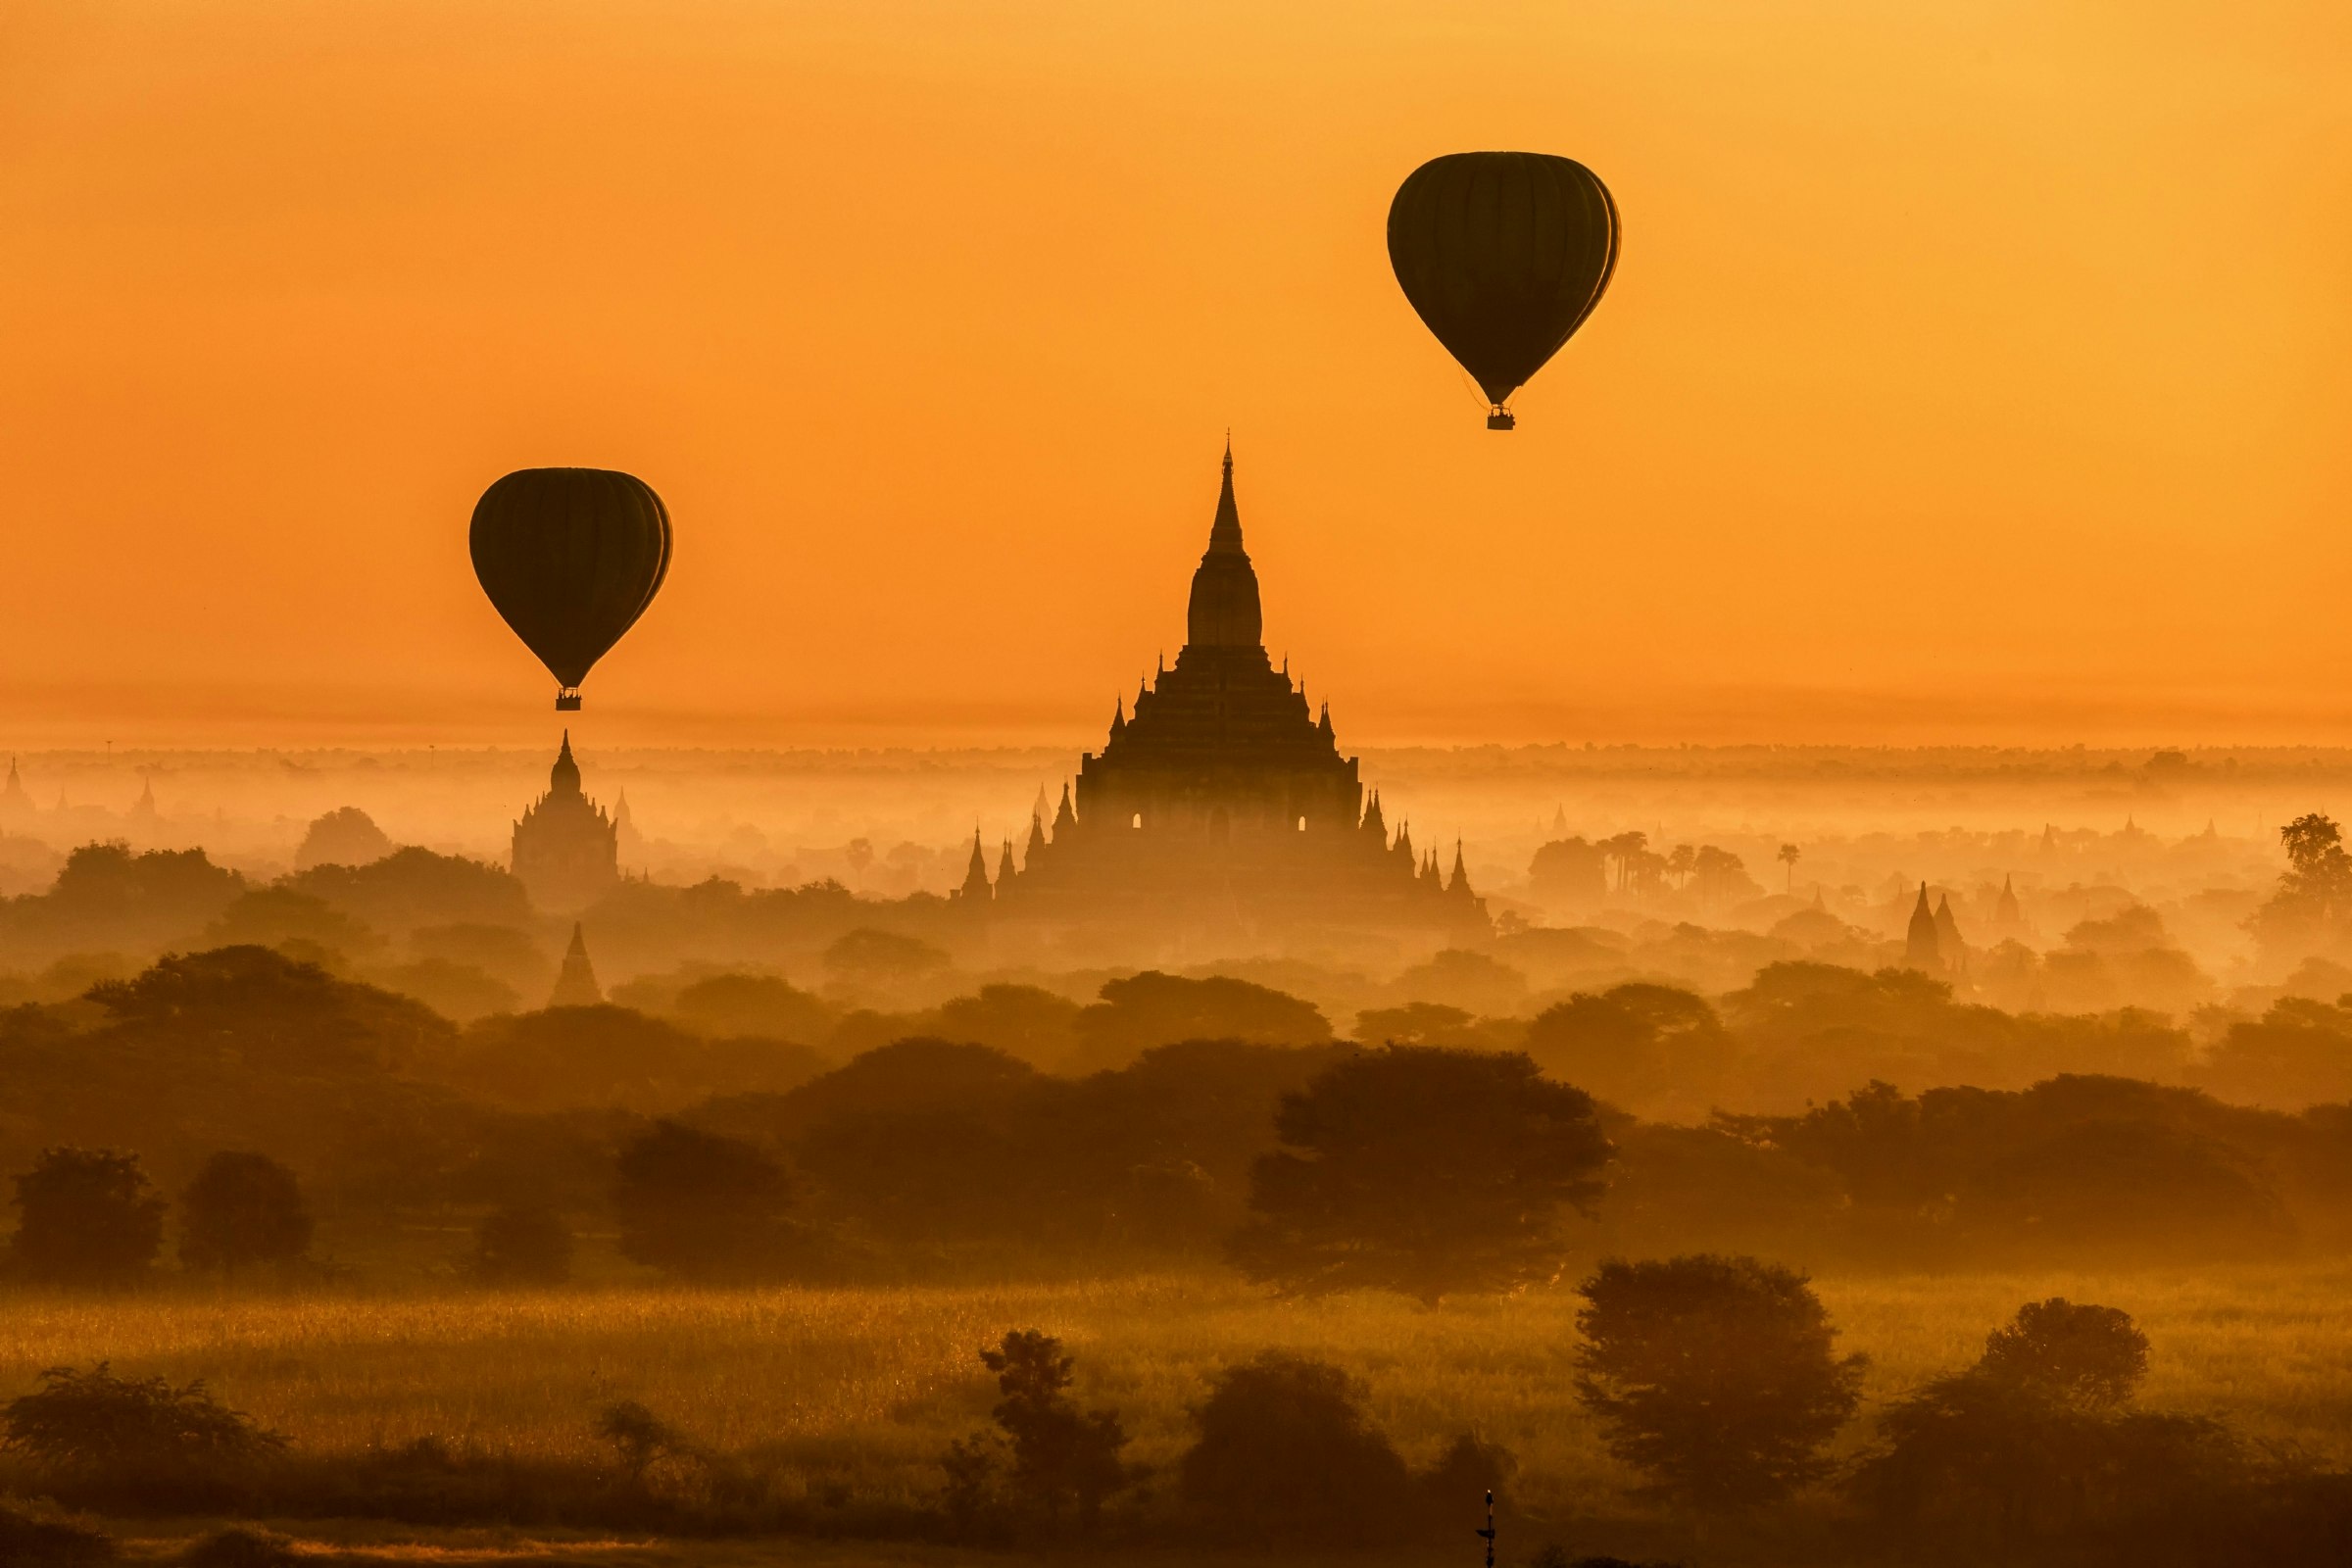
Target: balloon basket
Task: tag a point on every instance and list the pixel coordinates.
(1500, 420)
(567, 702)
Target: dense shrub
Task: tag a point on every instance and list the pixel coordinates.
(1286, 1449)
(134, 1441)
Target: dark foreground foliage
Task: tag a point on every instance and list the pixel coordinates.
(39, 1537)
(110, 1441)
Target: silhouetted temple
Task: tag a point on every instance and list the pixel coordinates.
(1220, 816)
(567, 849)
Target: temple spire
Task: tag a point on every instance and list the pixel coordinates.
(975, 874)
(564, 777)
(575, 984)
(1224, 609)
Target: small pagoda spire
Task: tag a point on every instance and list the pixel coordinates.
(1064, 818)
(575, 985)
(975, 873)
(1372, 822)
(1119, 716)
(1037, 836)
(1459, 887)
(1005, 871)
(1324, 724)
(1921, 947)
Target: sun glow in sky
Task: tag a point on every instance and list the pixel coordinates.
(1973, 371)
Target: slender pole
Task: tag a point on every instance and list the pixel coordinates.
(1489, 1531)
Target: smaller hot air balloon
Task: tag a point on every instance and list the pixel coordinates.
(1503, 254)
(570, 558)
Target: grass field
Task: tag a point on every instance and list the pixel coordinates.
(860, 1388)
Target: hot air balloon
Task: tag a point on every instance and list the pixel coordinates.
(570, 558)
(1503, 254)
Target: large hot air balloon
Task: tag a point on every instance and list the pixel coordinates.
(1503, 254)
(570, 558)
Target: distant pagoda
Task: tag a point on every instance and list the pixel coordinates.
(1220, 816)
(566, 851)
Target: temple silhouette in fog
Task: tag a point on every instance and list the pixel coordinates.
(1220, 813)
(566, 851)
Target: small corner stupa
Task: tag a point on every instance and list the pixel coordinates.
(575, 985)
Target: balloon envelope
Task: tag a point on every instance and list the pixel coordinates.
(1503, 254)
(570, 558)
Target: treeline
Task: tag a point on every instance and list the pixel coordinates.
(1717, 1383)
(932, 1155)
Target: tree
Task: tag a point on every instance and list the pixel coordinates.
(1620, 850)
(521, 1244)
(242, 1210)
(1026, 1021)
(137, 1441)
(1061, 1455)
(703, 1206)
(1632, 1044)
(1422, 1170)
(1715, 1376)
(1570, 871)
(1285, 1447)
(2315, 891)
(1788, 856)
(882, 959)
(1151, 1009)
(345, 836)
(2091, 1357)
(2038, 1438)
(86, 1216)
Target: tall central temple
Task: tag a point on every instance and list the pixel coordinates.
(1220, 816)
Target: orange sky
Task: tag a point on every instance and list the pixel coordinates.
(1972, 372)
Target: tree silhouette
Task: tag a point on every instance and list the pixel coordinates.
(87, 1216)
(521, 1244)
(1790, 855)
(2092, 1357)
(1422, 1170)
(242, 1210)
(703, 1206)
(2315, 891)
(1285, 1447)
(1715, 1376)
(1061, 1455)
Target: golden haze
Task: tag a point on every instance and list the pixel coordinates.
(1974, 373)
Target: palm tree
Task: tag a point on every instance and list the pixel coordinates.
(1788, 857)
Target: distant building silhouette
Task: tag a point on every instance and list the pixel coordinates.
(1950, 948)
(629, 842)
(1220, 813)
(575, 983)
(16, 805)
(567, 849)
(143, 809)
(2007, 917)
(1922, 947)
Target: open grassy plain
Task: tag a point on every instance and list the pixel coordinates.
(857, 1391)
